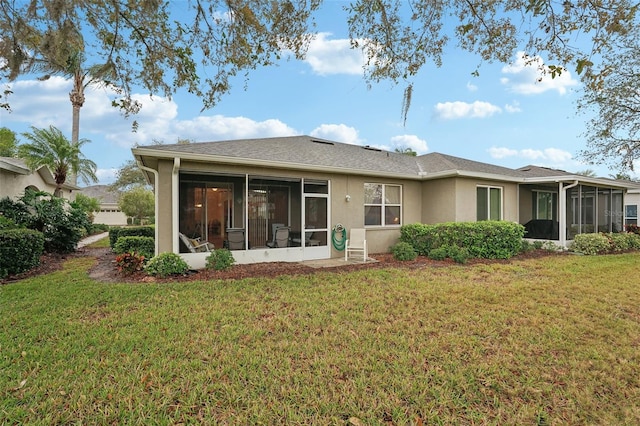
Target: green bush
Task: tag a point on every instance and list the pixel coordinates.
(485, 239)
(619, 241)
(458, 254)
(403, 251)
(634, 241)
(166, 264)
(220, 259)
(144, 246)
(591, 244)
(7, 223)
(440, 253)
(128, 263)
(20, 250)
(98, 228)
(116, 232)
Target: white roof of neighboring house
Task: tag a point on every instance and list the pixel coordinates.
(310, 153)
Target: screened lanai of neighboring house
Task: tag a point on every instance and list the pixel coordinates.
(561, 207)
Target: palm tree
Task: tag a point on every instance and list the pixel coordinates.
(49, 147)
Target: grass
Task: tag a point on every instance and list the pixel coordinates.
(546, 341)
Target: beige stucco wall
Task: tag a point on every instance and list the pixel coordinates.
(466, 208)
(438, 201)
(164, 207)
(12, 185)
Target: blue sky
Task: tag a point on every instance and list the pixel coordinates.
(506, 116)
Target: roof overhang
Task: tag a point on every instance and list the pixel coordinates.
(11, 166)
(47, 177)
(584, 180)
(141, 153)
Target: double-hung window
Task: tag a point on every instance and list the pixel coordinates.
(489, 203)
(382, 204)
(631, 214)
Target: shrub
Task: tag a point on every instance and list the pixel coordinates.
(98, 228)
(440, 253)
(634, 241)
(116, 232)
(129, 263)
(458, 254)
(166, 264)
(485, 239)
(20, 250)
(7, 223)
(145, 246)
(403, 251)
(633, 228)
(590, 244)
(220, 259)
(619, 241)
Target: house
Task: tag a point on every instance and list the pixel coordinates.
(631, 204)
(15, 178)
(110, 213)
(252, 186)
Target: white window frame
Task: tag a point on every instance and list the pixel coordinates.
(489, 188)
(630, 217)
(383, 204)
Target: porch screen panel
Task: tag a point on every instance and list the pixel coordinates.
(587, 209)
(617, 211)
(604, 210)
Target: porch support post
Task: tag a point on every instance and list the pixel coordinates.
(174, 205)
(562, 220)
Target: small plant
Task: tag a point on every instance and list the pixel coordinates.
(458, 254)
(591, 244)
(166, 264)
(440, 253)
(129, 263)
(633, 228)
(403, 251)
(220, 259)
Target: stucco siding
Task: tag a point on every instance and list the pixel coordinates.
(164, 203)
(466, 199)
(12, 185)
(438, 201)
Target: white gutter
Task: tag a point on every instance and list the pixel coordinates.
(562, 222)
(155, 187)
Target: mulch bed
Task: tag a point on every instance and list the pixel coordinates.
(104, 269)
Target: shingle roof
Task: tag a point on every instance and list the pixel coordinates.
(303, 150)
(102, 193)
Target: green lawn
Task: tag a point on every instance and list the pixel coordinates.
(548, 341)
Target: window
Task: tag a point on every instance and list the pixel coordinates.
(382, 204)
(489, 203)
(631, 214)
(544, 207)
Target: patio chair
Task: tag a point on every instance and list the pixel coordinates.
(356, 244)
(195, 245)
(308, 239)
(235, 239)
(280, 238)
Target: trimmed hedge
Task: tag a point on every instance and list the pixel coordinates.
(485, 239)
(592, 244)
(20, 250)
(116, 232)
(145, 246)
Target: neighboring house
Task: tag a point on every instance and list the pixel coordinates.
(15, 177)
(109, 214)
(215, 189)
(631, 204)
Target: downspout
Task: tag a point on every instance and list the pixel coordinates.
(562, 227)
(155, 187)
(174, 205)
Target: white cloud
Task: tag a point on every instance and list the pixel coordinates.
(456, 110)
(471, 87)
(338, 133)
(553, 156)
(410, 141)
(106, 175)
(502, 152)
(513, 107)
(334, 56)
(218, 127)
(530, 76)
